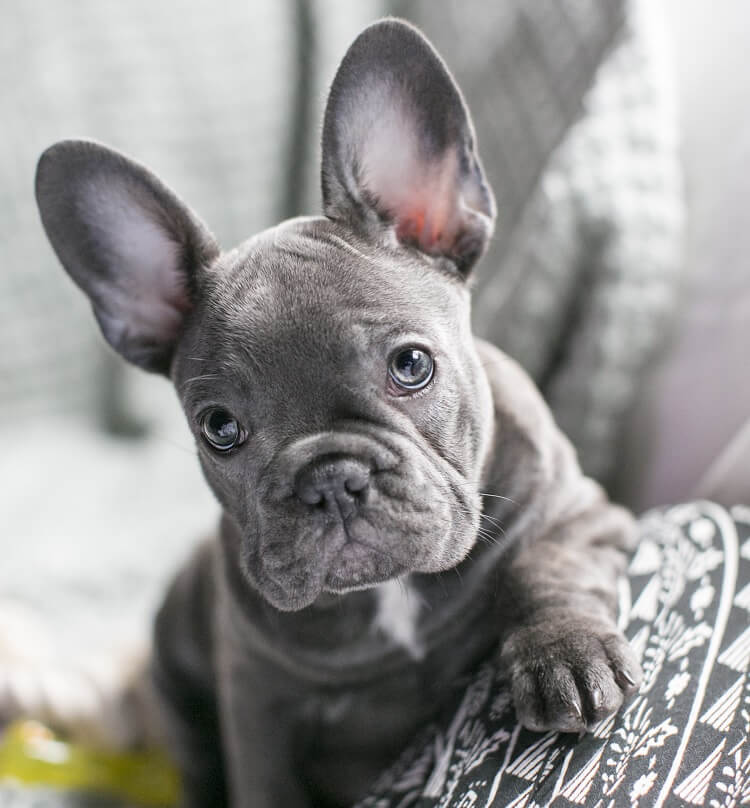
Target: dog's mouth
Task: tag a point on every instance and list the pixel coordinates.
(346, 558)
(360, 564)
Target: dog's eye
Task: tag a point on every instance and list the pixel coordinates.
(411, 369)
(221, 429)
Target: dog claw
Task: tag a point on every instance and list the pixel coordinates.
(596, 698)
(627, 676)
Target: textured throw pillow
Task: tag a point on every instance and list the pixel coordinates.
(684, 739)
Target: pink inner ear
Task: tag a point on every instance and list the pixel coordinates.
(422, 196)
(429, 216)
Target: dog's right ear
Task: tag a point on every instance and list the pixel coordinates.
(130, 244)
(399, 151)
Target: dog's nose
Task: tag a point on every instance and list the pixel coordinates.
(333, 482)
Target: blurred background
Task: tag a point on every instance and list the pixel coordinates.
(616, 136)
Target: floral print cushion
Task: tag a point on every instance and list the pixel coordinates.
(683, 740)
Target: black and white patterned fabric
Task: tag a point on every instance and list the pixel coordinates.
(684, 740)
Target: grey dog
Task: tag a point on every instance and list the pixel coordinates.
(397, 500)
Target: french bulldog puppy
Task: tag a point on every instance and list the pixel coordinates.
(397, 501)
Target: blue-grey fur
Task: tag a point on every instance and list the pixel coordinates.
(278, 686)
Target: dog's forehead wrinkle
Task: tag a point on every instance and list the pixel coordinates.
(300, 258)
(323, 304)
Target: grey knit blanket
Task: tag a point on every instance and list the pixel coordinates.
(575, 126)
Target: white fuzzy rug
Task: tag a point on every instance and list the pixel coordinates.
(92, 529)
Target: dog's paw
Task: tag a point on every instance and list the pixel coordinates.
(568, 674)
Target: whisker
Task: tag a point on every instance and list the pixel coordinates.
(200, 378)
(467, 483)
(490, 541)
(467, 511)
(493, 521)
(499, 496)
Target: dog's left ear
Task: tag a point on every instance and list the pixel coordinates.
(130, 244)
(399, 148)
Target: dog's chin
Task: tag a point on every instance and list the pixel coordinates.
(359, 566)
(355, 567)
(292, 595)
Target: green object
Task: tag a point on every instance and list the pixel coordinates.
(31, 754)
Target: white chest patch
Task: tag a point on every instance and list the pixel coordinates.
(398, 611)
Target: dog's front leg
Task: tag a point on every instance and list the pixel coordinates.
(260, 713)
(567, 663)
(184, 678)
